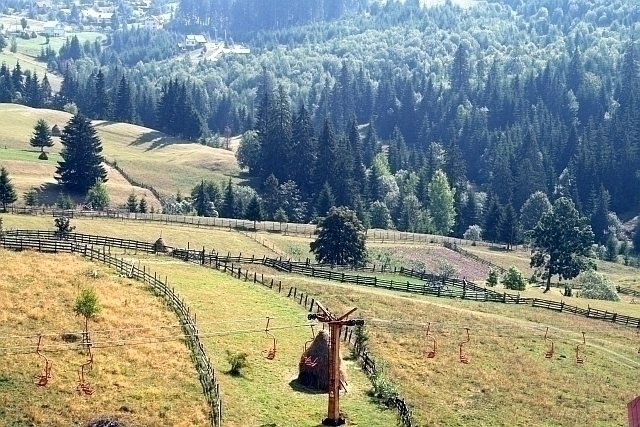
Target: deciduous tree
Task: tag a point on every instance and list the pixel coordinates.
(561, 243)
(441, 203)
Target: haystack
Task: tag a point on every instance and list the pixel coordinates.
(160, 246)
(317, 377)
(55, 130)
(43, 156)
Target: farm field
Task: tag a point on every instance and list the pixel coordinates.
(33, 47)
(179, 236)
(506, 349)
(264, 394)
(148, 156)
(146, 384)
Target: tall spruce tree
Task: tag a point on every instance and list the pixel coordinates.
(124, 109)
(7, 192)
(81, 164)
(303, 151)
(326, 200)
(41, 137)
(229, 202)
(101, 107)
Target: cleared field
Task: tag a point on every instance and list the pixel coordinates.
(146, 384)
(265, 394)
(222, 241)
(33, 47)
(27, 172)
(508, 381)
(148, 156)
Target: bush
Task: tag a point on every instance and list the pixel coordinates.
(492, 280)
(445, 269)
(473, 233)
(383, 388)
(362, 339)
(514, 279)
(237, 361)
(596, 285)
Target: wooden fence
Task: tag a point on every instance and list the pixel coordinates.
(628, 291)
(474, 257)
(202, 362)
(79, 238)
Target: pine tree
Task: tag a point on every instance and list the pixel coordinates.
(81, 163)
(142, 206)
(41, 136)
(326, 167)
(45, 90)
(7, 192)
(326, 200)
(492, 220)
(508, 226)
(124, 107)
(599, 218)
(303, 151)
(253, 212)
(132, 203)
(100, 104)
(460, 70)
(341, 239)
(271, 195)
(229, 202)
(202, 201)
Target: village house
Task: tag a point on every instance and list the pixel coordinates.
(153, 23)
(195, 40)
(96, 17)
(54, 29)
(42, 7)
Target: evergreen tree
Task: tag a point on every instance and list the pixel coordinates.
(271, 195)
(202, 201)
(441, 203)
(326, 167)
(142, 206)
(492, 220)
(229, 202)
(97, 196)
(460, 70)
(303, 152)
(81, 163)
(600, 216)
(508, 226)
(7, 192)
(124, 109)
(41, 136)
(253, 211)
(100, 105)
(132, 202)
(45, 90)
(636, 237)
(326, 200)
(561, 243)
(341, 239)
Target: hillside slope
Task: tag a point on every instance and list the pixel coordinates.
(148, 156)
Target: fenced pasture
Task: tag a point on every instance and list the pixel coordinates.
(147, 383)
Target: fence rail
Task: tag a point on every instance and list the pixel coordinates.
(454, 247)
(628, 291)
(206, 373)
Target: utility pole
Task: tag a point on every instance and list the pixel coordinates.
(334, 418)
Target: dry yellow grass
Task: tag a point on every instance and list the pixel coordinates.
(179, 236)
(508, 381)
(151, 384)
(148, 156)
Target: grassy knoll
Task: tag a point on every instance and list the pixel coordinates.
(148, 156)
(33, 47)
(264, 394)
(149, 384)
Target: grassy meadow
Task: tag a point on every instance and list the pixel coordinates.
(147, 384)
(168, 164)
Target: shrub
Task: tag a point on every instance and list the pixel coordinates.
(63, 227)
(596, 285)
(492, 280)
(237, 361)
(383, 388)
(514, 279)
(362, 339)
(445, 269)
(473, 233)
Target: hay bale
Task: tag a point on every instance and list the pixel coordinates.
(55, 130)
(317, 377)
(160, 246)
(43, 156)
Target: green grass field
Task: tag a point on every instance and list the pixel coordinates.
(33, 47)
(168, 164)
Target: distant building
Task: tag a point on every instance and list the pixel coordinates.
(54, 29)
(195, 40)
(153, 23)
(96, 17)
(42, 7)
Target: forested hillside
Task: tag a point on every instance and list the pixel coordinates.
(363, 106)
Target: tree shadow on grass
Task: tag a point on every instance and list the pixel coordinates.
(296, 386)
(49, 192)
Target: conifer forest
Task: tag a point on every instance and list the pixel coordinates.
(420, 117)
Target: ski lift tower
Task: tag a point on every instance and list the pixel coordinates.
(334, 418)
